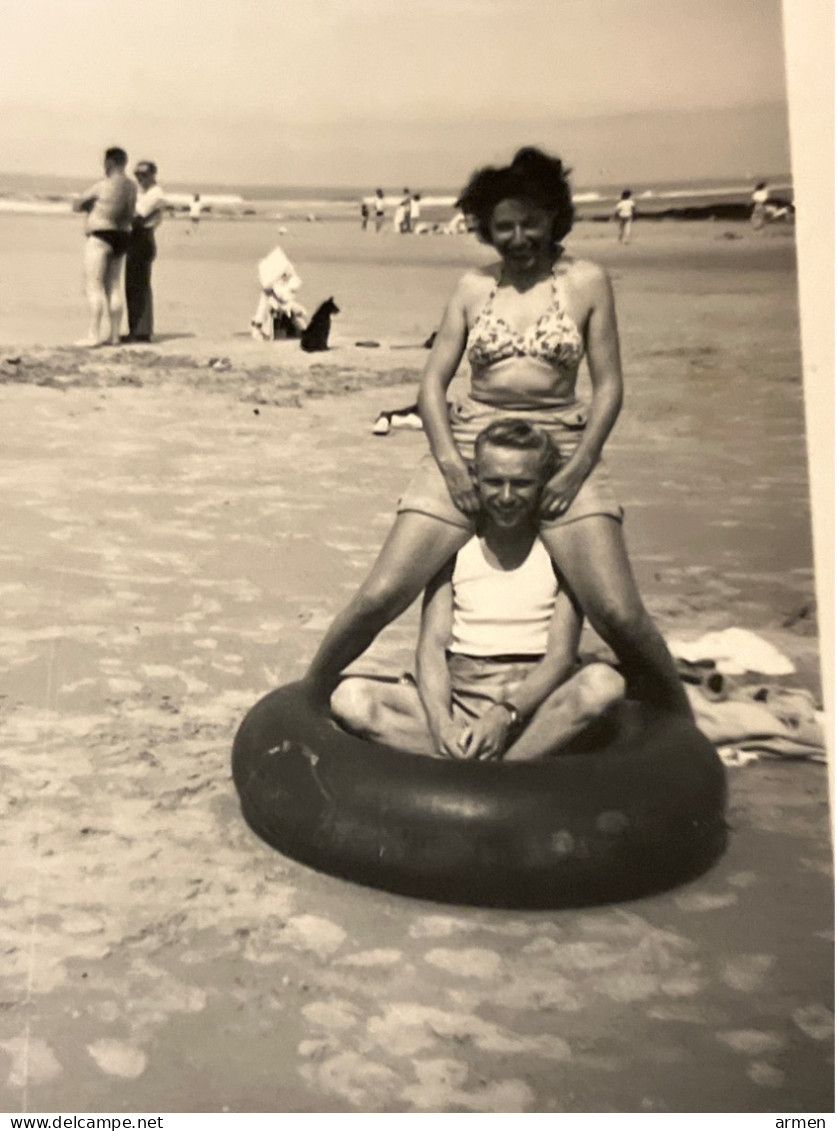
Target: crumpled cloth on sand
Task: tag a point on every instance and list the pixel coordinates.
(735, 651)
(758, 721)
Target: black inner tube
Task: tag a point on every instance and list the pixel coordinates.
(636, 815)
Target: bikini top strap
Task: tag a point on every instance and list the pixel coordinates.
(559, 288)
(487, 306)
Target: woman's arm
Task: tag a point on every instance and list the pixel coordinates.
(605, 365)
(432, 673)
(488, 736)
(439, 371)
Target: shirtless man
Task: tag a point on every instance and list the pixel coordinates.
(497, 669)
(109, 205)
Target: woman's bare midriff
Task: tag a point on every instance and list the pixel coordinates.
(520, 383)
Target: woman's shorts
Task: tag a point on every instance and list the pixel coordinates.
(427, 491)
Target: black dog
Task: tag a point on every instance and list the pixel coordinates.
(315, 335)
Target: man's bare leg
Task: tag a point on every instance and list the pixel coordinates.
(113, 292)
(566, 712)
(97, 257)
(383, 711)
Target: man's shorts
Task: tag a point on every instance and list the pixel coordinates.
(427, 491)
(478, 682)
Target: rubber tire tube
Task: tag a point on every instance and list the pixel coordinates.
(637, 815)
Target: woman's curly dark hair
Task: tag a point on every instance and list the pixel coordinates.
(533, 176)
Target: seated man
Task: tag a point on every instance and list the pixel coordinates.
(497, 673)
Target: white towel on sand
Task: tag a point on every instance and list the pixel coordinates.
(735, 651)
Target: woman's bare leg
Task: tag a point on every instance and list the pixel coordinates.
(590, 554)
(97, 256)
(415, 550)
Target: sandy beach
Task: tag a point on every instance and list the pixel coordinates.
(182, 521)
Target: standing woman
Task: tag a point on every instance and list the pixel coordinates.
(142, 250)
(525, 323)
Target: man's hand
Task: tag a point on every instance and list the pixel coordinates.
(560, 491)
(447, 736)
(488, 736)
(461, 488)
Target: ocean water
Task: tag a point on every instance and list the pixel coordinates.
(44, 193)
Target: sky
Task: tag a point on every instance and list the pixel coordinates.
(363, 92)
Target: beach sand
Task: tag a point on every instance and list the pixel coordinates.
(181, 522)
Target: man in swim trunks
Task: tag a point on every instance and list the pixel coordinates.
(497, 670)
(109, 205)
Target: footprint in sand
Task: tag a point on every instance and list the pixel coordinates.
(815, 1021)
(33, 1062)
(116, 1058)
(705, 900)
(753, 1042)
(470, 962)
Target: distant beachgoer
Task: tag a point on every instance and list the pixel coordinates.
(624, 213)
(456, 226)
(142, 251)
(195, 209)
(364, 215)
(379, 209)
(758, 215)
(403, 212)
(414, 210)
(109, 205)
(399, 217)
(278, 314)
(525, 323)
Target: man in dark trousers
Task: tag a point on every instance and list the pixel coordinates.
(148, 215)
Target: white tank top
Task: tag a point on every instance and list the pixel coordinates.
(498, 612)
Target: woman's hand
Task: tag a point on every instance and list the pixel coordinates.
(488, 736)
(461, 487)
(560, 490)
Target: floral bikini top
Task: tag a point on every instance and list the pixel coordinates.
(554, 339)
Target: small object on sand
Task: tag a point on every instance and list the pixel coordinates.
(804, 612)
(735, 651)
(11, 360)
(425, 345)
(398, 418)
(368, 344)
(219, 363)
